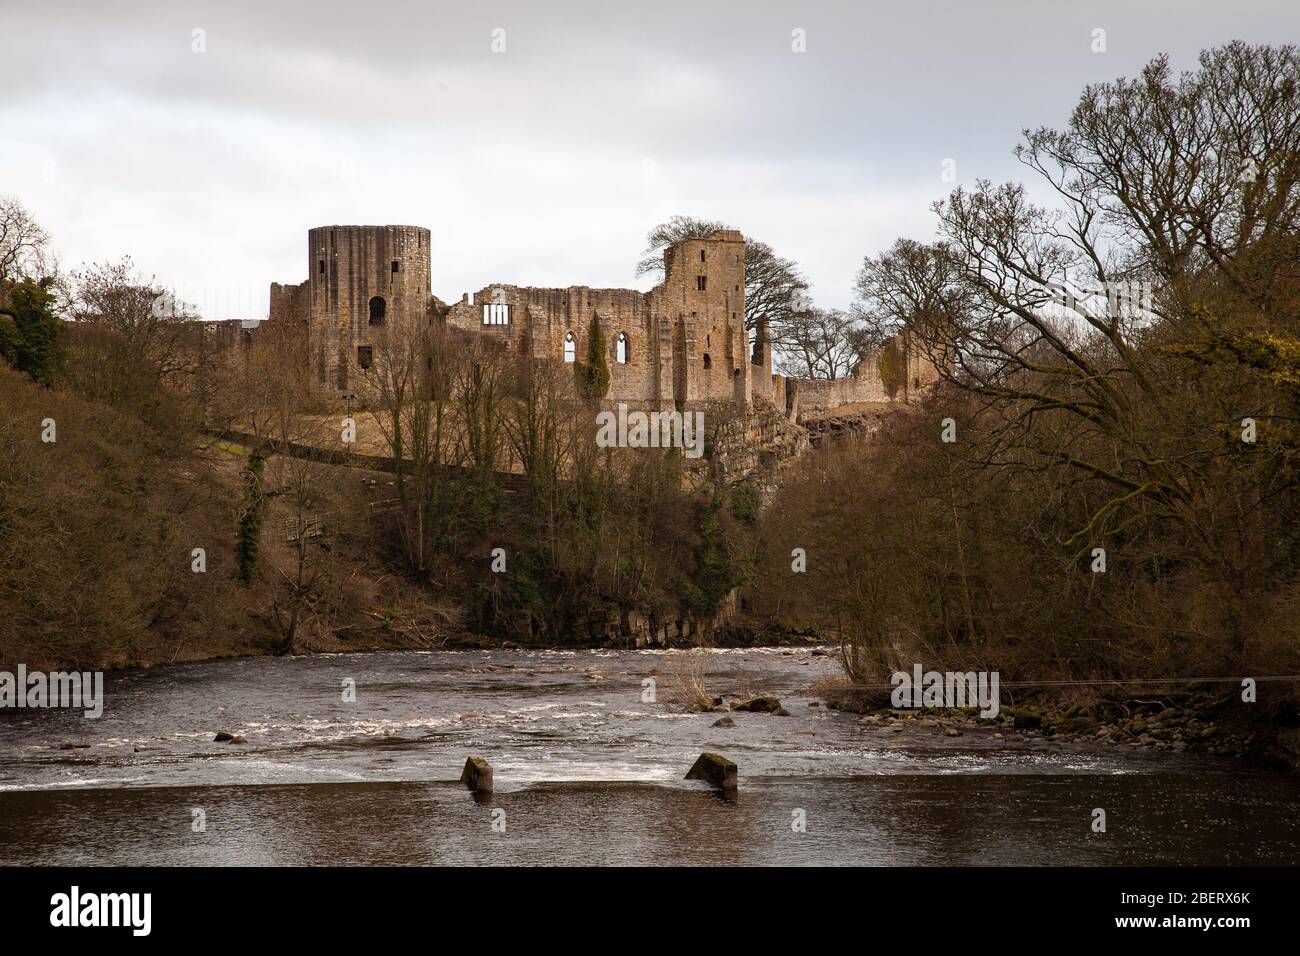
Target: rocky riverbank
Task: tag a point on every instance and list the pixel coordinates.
(1196, 718)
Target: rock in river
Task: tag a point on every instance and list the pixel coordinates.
(477, 775)
(715, 769)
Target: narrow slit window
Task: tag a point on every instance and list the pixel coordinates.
(570, 348)
(620, 349)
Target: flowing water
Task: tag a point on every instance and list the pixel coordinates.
(586, 772)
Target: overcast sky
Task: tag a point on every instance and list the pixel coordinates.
(544, 164)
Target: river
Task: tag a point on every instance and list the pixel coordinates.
(586, 772)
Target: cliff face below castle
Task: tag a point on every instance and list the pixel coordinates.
(861, 419)
(756, 447)
(752, 447)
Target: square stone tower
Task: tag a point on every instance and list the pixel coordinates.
(703, 298)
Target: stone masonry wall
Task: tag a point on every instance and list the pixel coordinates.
(805, 397)
(685, 342)
(361, 277)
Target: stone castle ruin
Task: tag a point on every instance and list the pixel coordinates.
(682, 344)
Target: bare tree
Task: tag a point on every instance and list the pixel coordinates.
(1122, 336)
(535, 426)
(911, 285)
(271, 393)
(816, 343)
(481, 391)
(773, 285)
(24, 245)
(132, 326)
(665, 234)
(409, 392)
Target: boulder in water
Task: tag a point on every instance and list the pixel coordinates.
(477, 775)
(714, 769)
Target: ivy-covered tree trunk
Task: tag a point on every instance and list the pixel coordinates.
(248, 537)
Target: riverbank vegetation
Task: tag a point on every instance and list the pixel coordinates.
(159, 503)
(1107, 482)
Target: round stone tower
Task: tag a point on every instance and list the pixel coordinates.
(363, 279)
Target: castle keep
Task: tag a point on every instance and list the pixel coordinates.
(360, 278)
(682, 343)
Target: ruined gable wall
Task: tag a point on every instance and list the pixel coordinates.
(226, 341)
(813, 396)
(864, 385)
(541, 319)
(290, 303)
(670, 330)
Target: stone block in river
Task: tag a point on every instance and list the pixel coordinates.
(714, 769)
(477, 775)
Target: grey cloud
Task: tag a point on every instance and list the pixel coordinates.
(545, 164)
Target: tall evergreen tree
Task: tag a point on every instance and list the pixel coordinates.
(593, 375)
(30, 342)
